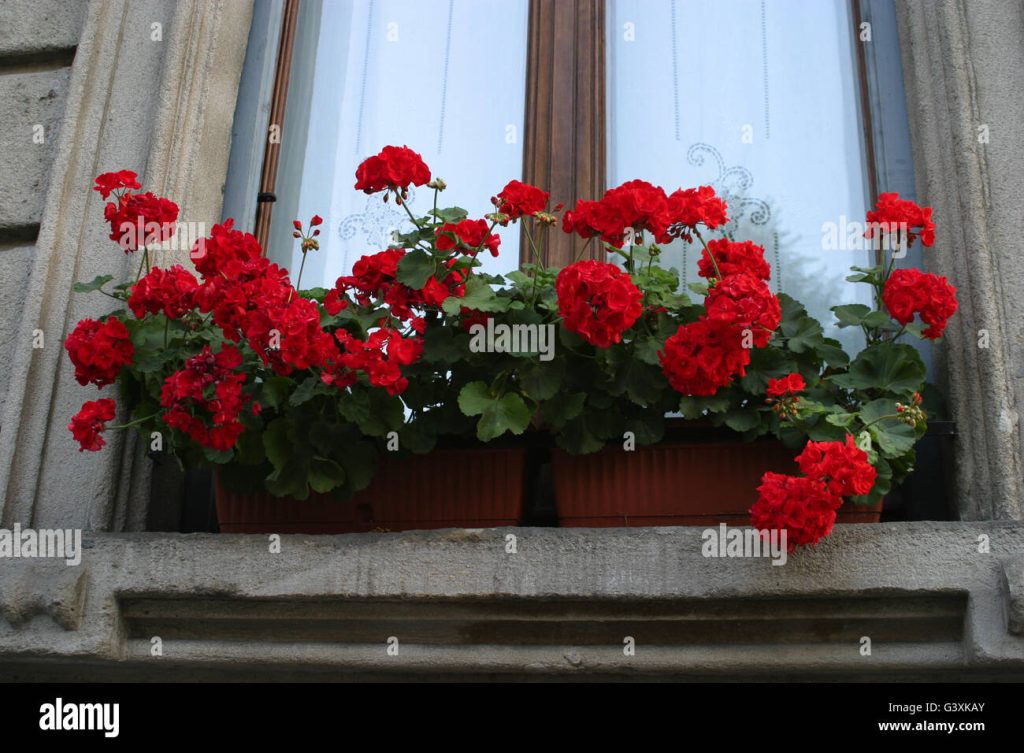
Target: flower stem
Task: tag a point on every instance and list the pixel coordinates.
(132, 423)
(718, 272)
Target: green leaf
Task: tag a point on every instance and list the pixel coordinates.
(274, 390)
(880, 320)
(893, 438)
(415, 268)
(96, 284)
(642, 382)
(694, 407)
(742, 419)
(277, 443)
(542, 380)
(648, 429)
(442, 345)
(217, 456)
(305, 391)
(885, 366)
(479, 297)
(576, 438)
(249, 450)
(823, 431)
(805, 334)
(291, 480)
(415, 438)
(557, 412)
(508, 413)
(647, 348)
(851, 315)
(474, 399)
(360, 462)
(841, 419)
(325, 474)
(832, 353)
(454, 215)
(700, 288)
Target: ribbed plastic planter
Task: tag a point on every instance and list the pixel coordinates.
(678, 484)
(447, 488)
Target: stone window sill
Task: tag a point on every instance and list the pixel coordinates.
(561, 606)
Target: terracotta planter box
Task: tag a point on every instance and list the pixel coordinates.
(448, 488)
(678, 484)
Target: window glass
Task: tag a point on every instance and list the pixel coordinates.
(759, 99)
(444, 77)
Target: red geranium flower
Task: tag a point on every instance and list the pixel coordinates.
(225, 252)
(892, 211)
(910, 291)
(90, 422)
(204, 399)
(689, 207)
(702, 357)
(787, 385)
(140, 219)
(842, 466)
(171, 291)
(803, 507)
(745, 302)
(471, 234)
(99, 350)
(597, 301)
(107, 183)
(396, 168)
(733, 258)
(517, 199)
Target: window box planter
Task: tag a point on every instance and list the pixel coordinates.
(681, 483)
(447, 488)
(307, 395)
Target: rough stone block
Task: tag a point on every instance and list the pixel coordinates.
(31, 107)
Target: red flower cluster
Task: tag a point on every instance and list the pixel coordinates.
(107, 183)
(171, 291)
(800, 506)
(287, 335)
(470, 236)
(733, 258)
(380, 357)
(910, 291)
(702, 357)
(785, 386)
(140, 219)
(208, 386)
(375, 276)
(99, 350)
(741, 312)
(226, 252)
(805, 507)
(518, 199)
(690, 207)
(744, 302)
(597, 301)
(90, 422)
(642, 206)
(842, 466)
(892, 211)
(395, 168)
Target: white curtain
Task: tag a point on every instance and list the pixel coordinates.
(444, 77)
(758, 98)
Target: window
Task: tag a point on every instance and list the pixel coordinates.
(687, 107)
